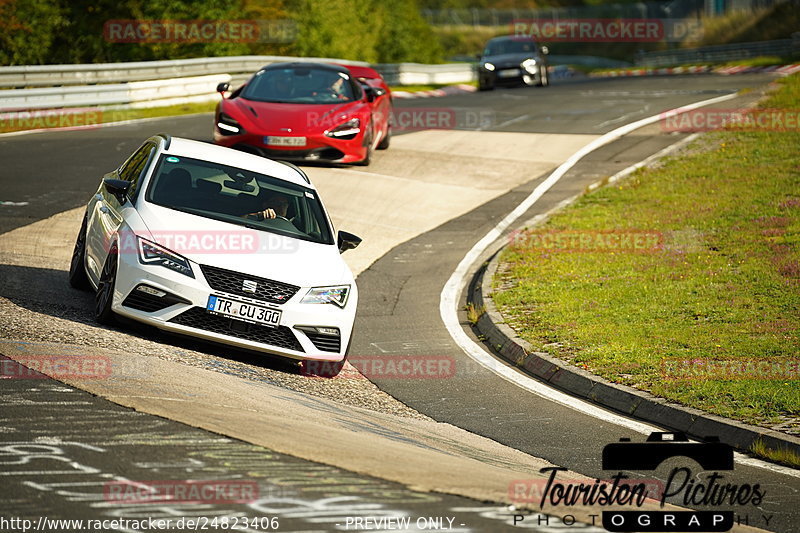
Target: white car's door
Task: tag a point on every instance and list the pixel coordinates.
(105, 210)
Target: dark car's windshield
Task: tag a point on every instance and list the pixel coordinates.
(237, 196)
(300, 85)
(509, 46)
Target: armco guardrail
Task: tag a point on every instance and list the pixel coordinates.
(720, 53)
(155, 83)
(239, 67)
(135, 94)
(419, 74)
(89, 74)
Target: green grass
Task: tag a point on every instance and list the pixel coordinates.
(45, 118)
(759, 24)
(724, 284)
(760, 61)
(474, 313)
(430, 87)
(780, 455)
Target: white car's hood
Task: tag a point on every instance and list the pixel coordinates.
(258, 253)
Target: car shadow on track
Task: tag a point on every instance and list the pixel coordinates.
(46, 293)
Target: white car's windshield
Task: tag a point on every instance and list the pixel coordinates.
(300, 85)
(238, 196)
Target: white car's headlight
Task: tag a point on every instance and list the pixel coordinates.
(488, 66)
(529, 65)
(327, 295)
(151, 253)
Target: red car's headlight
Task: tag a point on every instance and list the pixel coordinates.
(346, 131)
(227, 125)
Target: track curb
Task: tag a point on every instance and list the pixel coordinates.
(504, 341)
(783, 70)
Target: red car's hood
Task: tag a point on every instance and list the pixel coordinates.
(282, 119)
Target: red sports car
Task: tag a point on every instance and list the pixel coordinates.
(307, 112)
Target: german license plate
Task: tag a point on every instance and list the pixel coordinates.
(508, 73)
(244, 311)
(274, 140)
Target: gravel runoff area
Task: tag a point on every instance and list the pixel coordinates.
(38, 305)
(71, 324)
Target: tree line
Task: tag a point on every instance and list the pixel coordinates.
(36, 32)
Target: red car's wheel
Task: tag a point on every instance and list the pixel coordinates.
(384, 144)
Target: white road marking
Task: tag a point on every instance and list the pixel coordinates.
(506, 123)
(451, 294)
(623, 118)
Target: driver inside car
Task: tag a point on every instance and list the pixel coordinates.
(334, 89)
(276, 205)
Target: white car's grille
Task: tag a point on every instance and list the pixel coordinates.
(232, 282)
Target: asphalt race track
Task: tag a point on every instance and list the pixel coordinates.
(420, 206)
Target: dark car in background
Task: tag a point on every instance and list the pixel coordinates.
(512, 60)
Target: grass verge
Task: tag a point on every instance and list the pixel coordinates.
(431, 87)
(683, 280)
(780, 455)
(760, 61)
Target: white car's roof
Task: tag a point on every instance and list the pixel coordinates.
(235, 158)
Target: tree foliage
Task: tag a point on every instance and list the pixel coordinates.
(72, 31)
(378, 31)
(28, 29)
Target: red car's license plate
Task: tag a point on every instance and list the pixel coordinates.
(274, 140)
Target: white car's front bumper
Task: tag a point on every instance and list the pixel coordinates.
(183, 310)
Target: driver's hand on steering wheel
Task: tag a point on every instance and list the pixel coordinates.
(263, 215)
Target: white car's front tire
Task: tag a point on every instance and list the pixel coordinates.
(104, 298)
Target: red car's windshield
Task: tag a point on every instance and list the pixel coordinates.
(300, 85)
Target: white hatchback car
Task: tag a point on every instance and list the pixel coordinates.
(211, 242)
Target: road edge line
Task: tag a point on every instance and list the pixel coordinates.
(452, 290)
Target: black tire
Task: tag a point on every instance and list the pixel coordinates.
(365, 162)
(387, 139)
(544, 77)
(105, 290)
(485, 86)
(77, 269)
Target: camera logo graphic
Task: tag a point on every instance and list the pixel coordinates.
(711, 454)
